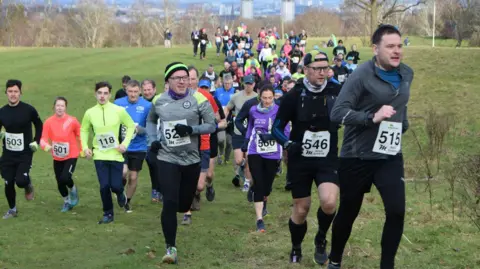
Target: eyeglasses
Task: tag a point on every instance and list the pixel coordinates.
(178, 79)
(319, 68)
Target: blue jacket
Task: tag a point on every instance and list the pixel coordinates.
(139, 113)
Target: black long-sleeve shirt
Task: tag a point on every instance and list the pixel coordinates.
(242, 115)
(17, 122)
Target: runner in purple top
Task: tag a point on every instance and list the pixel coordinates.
(263, 151)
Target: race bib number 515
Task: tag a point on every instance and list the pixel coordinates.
(316, 144)
(389, 138)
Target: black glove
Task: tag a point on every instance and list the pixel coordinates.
(155, 146)
(265, 137)
(183, 130)
(245, 146)
(294, 149)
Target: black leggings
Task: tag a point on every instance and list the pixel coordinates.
(203, 50)
(63, 173)
(15, 171)
(195, 46)
(152, 168)
(178, 184)
(263, 173)
(356, 177)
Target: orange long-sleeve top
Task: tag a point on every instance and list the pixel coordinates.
(64, 134)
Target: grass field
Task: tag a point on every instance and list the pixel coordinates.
(222, 234)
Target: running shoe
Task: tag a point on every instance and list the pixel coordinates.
(296, 256)
(10, 214)
(246, 186)
(122, 200)
(29, 192)
(333, 266)
(196, 202)
(154, 196)
(236, 181)
(106, 219)
(128, 208)
(73, 198)
(187, 219)
(210, 193)
(171, 256)
(320, 257)
(260, 226)
(66, 207)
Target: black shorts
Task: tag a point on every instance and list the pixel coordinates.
(302, 172)
(213, 146)
(16, 169)
(356, 176)
(64, 169)
(237, 141)
(134, 160)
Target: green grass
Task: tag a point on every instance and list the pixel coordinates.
(222, 234)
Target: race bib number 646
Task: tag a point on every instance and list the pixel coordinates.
(389, 138)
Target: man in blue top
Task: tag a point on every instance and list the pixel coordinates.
(224, 94)
(138, 108)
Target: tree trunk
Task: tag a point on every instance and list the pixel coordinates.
(373, 16)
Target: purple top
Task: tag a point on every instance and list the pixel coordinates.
(277, 76)
(259, 122)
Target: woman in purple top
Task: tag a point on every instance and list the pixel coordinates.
(263, 151)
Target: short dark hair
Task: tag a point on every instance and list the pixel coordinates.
(384, 29)
(191, 67)
(267, 87)
(102, 84)
(60, 98)
(13, 82)
(149, 81)
(132, 83)
(340, 41)
(126, 79)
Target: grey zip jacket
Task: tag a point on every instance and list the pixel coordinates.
(194, 110)
(366, 92)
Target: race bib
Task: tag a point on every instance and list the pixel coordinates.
(303, 42)
(295, 60)
(204, 42)
(14, 142)
(235, 85)
(218, 39)
(340, 51)
(106, 141)
(195, 36)
(247, 46)
(316, 144)
(60, 150)
(240, 60)
(341, 78)
(267, 147)
(123, 131)
(173, 139)
(225, 38)
(389, 138)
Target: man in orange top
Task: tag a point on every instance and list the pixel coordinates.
(61, 136)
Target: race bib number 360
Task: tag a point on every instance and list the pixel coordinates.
(389, 138)
(14, 142)
(173, 139)
(316, 144)
(60, 150)
(106, 141)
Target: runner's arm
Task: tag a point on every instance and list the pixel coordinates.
(152, 119)
(37, 122)
(241, 116)
(284, 115)
(343, 111)
(76, 132)
(85, 130)
(405, 123)
(127, 121)
(248, 134)
(206, 112)
(44, 140)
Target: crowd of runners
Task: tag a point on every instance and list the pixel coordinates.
(269, 109)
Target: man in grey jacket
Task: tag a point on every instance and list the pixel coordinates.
(183, 114)
(372, 106)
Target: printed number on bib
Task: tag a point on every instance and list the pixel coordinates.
(240, 60)
(60, 150)
(204, 42)
(267, 147)
(106, 141)
(14, 142)
(389, 138)
(123, 130)
(341, 78)
(247, 46)
(173, 139)
(316, 144)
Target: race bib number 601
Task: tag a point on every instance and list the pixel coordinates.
(316, 144)
(389, 138)
(60, 150)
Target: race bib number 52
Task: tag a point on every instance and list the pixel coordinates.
(316, 144)
(14, 142)
(173, 139)
(389, 138)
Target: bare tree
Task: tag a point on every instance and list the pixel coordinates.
(463, 16)
(94, 18)
(380, 10)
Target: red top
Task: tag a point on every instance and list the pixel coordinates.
(205, 139)
(64, 134)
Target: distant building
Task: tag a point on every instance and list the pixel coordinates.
(288, 10)
(247, 9)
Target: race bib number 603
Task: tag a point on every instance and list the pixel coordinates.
(389, 138)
